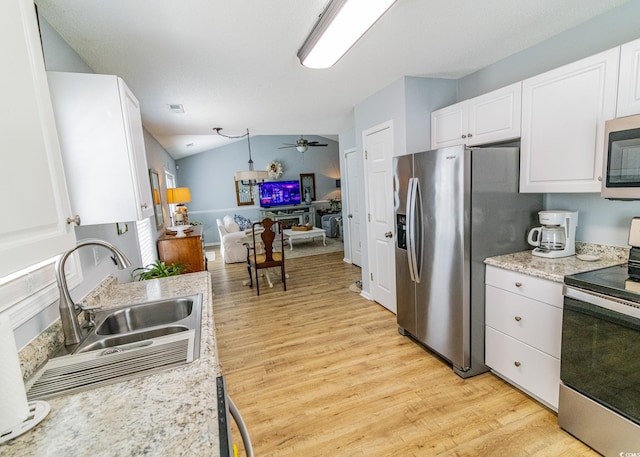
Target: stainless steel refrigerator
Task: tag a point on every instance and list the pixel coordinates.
(454, 207)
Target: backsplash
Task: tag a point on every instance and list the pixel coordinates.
(38, 351)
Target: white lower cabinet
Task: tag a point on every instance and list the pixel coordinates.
(524, 331)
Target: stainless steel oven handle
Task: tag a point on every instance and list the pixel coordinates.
(617, 305)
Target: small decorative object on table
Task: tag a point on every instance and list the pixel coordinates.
(302, 228)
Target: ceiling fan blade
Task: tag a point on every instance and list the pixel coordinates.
(315, 143)
(288, 146)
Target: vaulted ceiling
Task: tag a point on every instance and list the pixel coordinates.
(233, 64)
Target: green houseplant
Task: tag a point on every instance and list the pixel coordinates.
(157, 269)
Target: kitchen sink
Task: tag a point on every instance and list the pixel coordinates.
(145, 315)
(127, 342)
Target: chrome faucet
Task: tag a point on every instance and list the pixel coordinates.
(68, 309)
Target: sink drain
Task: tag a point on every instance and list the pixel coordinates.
(111, 351)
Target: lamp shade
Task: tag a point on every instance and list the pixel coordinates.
(178, 195)
(252, 175)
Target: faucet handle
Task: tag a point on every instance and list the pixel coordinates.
(90, 314)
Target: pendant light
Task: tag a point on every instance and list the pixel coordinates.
(248, 177)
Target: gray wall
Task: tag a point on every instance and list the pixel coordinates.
(209, 175)
(408, 103)
(600, 221)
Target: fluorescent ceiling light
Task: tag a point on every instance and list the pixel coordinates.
(340, 26)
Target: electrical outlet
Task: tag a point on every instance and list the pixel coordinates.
(96, 255)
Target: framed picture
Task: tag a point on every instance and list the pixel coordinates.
(308, 181)
(157, 199)
(244, 194)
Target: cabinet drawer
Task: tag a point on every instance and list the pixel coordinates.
(532, 370)
(530, 321)
(543, 290)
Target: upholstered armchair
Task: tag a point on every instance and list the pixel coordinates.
(231, 239)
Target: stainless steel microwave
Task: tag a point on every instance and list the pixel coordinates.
(621, 173)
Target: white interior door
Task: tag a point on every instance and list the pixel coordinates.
(378, 148)
(353, 213)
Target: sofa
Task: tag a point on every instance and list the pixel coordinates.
(232, 249)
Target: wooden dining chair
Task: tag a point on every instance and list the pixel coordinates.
(268, 258)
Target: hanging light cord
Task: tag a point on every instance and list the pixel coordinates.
(217, 130)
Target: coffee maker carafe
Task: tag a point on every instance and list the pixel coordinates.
(556, 237)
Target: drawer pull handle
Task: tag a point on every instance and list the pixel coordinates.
(516, 363)
(518, 284)
(518, 318)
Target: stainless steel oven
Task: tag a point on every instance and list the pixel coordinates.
(600, 360)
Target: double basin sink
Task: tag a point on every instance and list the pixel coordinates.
(127, 342)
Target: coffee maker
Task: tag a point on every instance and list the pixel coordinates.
(556, 237)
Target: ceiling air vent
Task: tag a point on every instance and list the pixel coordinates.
(176, 108)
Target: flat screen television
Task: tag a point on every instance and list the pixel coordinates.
(279, 193)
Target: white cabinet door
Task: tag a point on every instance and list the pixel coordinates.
(563, 115)
(495, 116)
(449, 126)
(31, 175)
(629, 80)
(486, 119)
(101, 138)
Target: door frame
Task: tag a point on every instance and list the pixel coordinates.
(347, 209)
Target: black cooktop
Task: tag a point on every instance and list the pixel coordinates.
(613, 281)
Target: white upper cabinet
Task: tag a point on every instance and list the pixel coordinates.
(101, 137)
(31, 175)
(563, 116)
(489, 118)
(629, 80)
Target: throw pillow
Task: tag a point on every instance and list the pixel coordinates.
(242, 222)
(229, 225)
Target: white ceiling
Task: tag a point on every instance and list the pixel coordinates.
(233, 64)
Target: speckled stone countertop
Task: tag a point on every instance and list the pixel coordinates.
(172, 413)
(557, 269)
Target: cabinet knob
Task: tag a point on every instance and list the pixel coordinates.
(75, 220)
(518, 284)
(599, 178)
(144, 206)
(469, 135)
(464, 136)
(518, 318)
(350, 216)
(516, 363)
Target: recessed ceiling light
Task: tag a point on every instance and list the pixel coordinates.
(176, 108)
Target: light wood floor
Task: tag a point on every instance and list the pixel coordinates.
(320, 371)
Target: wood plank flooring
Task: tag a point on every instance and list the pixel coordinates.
(320, 371)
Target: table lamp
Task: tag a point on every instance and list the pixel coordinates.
(179, 196)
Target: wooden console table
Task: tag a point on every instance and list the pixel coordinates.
(187, 250)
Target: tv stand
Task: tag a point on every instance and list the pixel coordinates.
(291, 215)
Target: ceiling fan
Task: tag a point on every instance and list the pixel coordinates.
(302, 145)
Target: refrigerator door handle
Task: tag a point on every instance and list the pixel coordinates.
(411, 216)
(418, 232)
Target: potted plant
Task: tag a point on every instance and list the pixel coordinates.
(155, 270)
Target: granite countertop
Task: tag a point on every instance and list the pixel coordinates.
(557, 269)
(169, 413)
